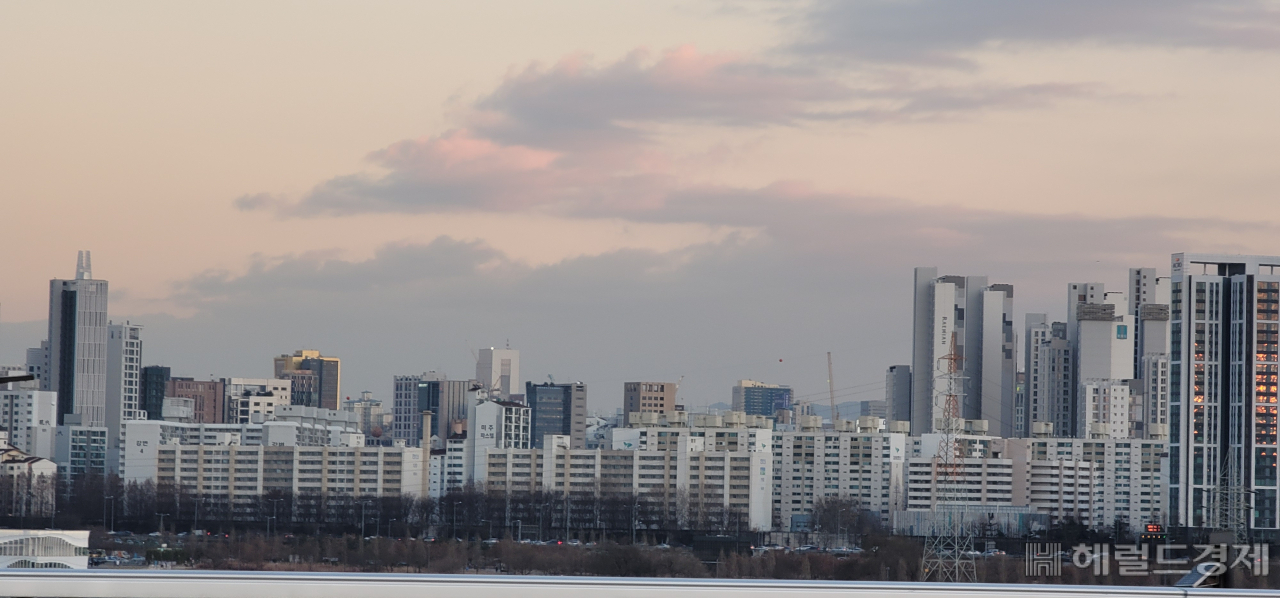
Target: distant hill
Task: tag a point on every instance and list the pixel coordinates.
(848, 410)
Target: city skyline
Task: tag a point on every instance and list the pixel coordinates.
(628, 192)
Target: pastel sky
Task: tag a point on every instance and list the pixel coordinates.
(622, 190)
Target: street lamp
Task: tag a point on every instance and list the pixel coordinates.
(274, 503)
(363, 504)
(455, 518)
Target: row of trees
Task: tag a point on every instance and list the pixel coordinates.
(26, 495)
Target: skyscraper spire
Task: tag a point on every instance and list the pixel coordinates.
(84, 268)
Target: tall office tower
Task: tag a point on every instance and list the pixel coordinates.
(447, 401)
(78, 345)
(758, 398)
(38, 365)
(319, 378)
(558, 409)
(124, 366)
(208, 397)
(1224, 329)
(972, 320)
(897, 392)
(648, 397)
(151, 388)
(499, 371)
(406, 418)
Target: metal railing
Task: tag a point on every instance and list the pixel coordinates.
(234, 584)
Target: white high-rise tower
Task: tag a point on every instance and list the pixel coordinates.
(78, 346)
(499, 370)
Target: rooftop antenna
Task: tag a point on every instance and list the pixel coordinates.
(84, 268)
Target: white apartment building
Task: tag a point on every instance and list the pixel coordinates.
(857, 461)
(1104, 409)
(80, 449)
(1135, 474)
(498, 371)
(700, 484)
(29, 417)
(306, 450)
(237, 472)
(124, 364)
(254, 399)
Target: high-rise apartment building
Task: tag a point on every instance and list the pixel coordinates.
(1224, 329)
(558, 410)
(648, 397)
(78, 346)
(962, 323)
(498, 370)
(152, 384)
(897, 392)
(318, 378)
(758, 398)
(124, 368)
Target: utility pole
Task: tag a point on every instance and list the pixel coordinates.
(162, 516)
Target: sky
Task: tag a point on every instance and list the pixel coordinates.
(631, 190)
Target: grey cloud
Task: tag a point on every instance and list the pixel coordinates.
(940, 32)
(576, 102)
(392, 267)
(256, 201)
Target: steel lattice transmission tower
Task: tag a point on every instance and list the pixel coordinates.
(949, 545)
(1230, 501)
